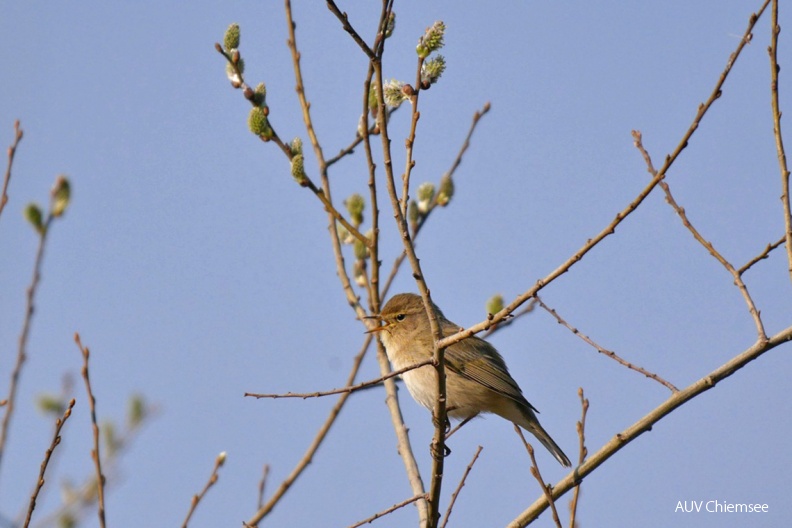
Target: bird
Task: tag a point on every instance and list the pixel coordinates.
(477, 378)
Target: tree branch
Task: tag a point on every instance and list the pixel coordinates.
(645, 423)
(775, 29)
(624, 213)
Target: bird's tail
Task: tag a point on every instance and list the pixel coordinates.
(533, 427)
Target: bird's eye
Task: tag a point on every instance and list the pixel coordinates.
(400, 317)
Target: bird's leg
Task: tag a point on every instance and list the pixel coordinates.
(458, 427)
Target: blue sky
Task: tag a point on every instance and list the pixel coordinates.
(197, 270)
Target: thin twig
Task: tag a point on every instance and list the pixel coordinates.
(350, 149)
(392, 509)
(349, 29)
(605, 351)
(477, 115)
(18, 133)
(392, 397)
(439, 415)
(581, 430)
(409, 143)
(763, 255)
(701, 240)
(23, 336)
(100, 479)
(306, 182)
(342, 390)
(459, 487)
(262, 485)
(775, 29)
(314, 446)
(644, 424)
(624, 213)
(547, 489)
(56, 438)
(219, 461)
(528, 308)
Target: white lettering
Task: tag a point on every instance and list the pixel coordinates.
(688, 507)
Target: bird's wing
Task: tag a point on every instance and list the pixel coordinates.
(483, 364)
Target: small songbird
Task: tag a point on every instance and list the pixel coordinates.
(477, 379)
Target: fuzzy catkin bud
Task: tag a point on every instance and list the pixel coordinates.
(298, 169)
(355, 204)
(258, 123)
(394, 95)
(426, 193)
(495, 304)
(61, 195)
(431, 40)
(231, 38)
(432, 69)
(296, 146)
(446, 191)
(34, 216)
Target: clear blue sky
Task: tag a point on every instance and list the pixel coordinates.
(196, 269)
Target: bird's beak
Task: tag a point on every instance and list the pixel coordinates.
(376, 328)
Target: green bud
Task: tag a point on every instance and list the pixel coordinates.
(137, 411)
(361, 251)
(373, 103)
(431, 40)
(61, 194)
(355, 204)
(426, 192)
(412, 213)
(67, 520)
(344, 235)
(495, 304)
(446, 190)
(394, 96)
(260, 95)
(432, 69)
(298, 169)
(296, 146)
(258, 122)
(390, 25)
(110, 438)
(51, 404)
(231, 38)
(34, 216)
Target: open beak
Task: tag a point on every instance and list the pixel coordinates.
(376, 328)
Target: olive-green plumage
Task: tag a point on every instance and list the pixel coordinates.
(477, 379)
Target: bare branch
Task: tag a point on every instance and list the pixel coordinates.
(349, 29)
(547, 489)
(459, 486)
(317, 441)
(581, 430)
(10, 400)
(775, 29)
(763, 255)
(353, 388)
(644, 424)
(392, 509)
(18, 133)
(605, 351)
(59, 423)
(219, 461)
(624, 213)
(701, 240)
(262, 485)
(100, 479)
